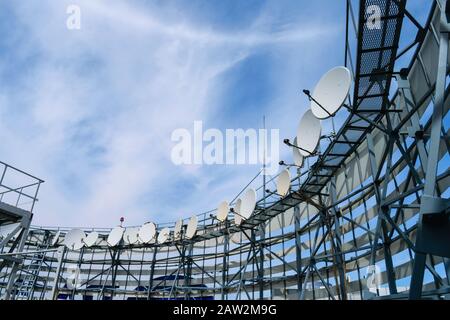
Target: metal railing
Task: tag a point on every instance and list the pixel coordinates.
(18, 188)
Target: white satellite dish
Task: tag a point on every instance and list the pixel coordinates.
(308, 134)
(191, 229)
(74, 239)
(130, 235)
(298, 158)
(55, 239)
(237, 212)
(147, 232)
(178, 228)
(164, 235)
(91, 239)
(222, 211)
(115, 236)
(330, 92)
(248, 203)
(283, 182)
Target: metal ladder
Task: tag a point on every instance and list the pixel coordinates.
(27, 286)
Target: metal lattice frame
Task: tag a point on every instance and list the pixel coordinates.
(18, 196)
(377, 195)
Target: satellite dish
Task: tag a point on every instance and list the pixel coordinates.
(178, 228)
(222, 211)
(237, 212)
(130, 235)
(298, 158)
(248, 203)
(91, 239)
(74, 239)
(115, 236)
(308, 134)
(55, 238)
(283, 182)
(163, 235)
(191, 229)
(147, 232)
(330, 92)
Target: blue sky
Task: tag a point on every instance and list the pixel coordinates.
(91, 111)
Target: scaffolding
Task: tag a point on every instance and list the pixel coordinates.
(368, 220)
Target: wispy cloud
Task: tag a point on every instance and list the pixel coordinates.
(92, 111)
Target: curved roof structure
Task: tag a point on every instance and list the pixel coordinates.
(349, 225)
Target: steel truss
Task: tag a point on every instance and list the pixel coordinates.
(376, 197)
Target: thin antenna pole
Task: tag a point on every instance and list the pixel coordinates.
(332, 123)
(264, 158)
(261, 294)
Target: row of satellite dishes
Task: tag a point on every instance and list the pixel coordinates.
(76, 239)
(328, 97)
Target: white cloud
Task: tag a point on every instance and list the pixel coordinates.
(99, 106)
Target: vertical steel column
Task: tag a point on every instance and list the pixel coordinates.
(226, 243)
(115, 266)
(26, 221)
(407, 103)
(298, 249)
(261, 260)
(340, 259)
(428, 198)
(188, 273)
(61, 253)
(152, 272)
(80, 261)
(254, 261)
(382, 210)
